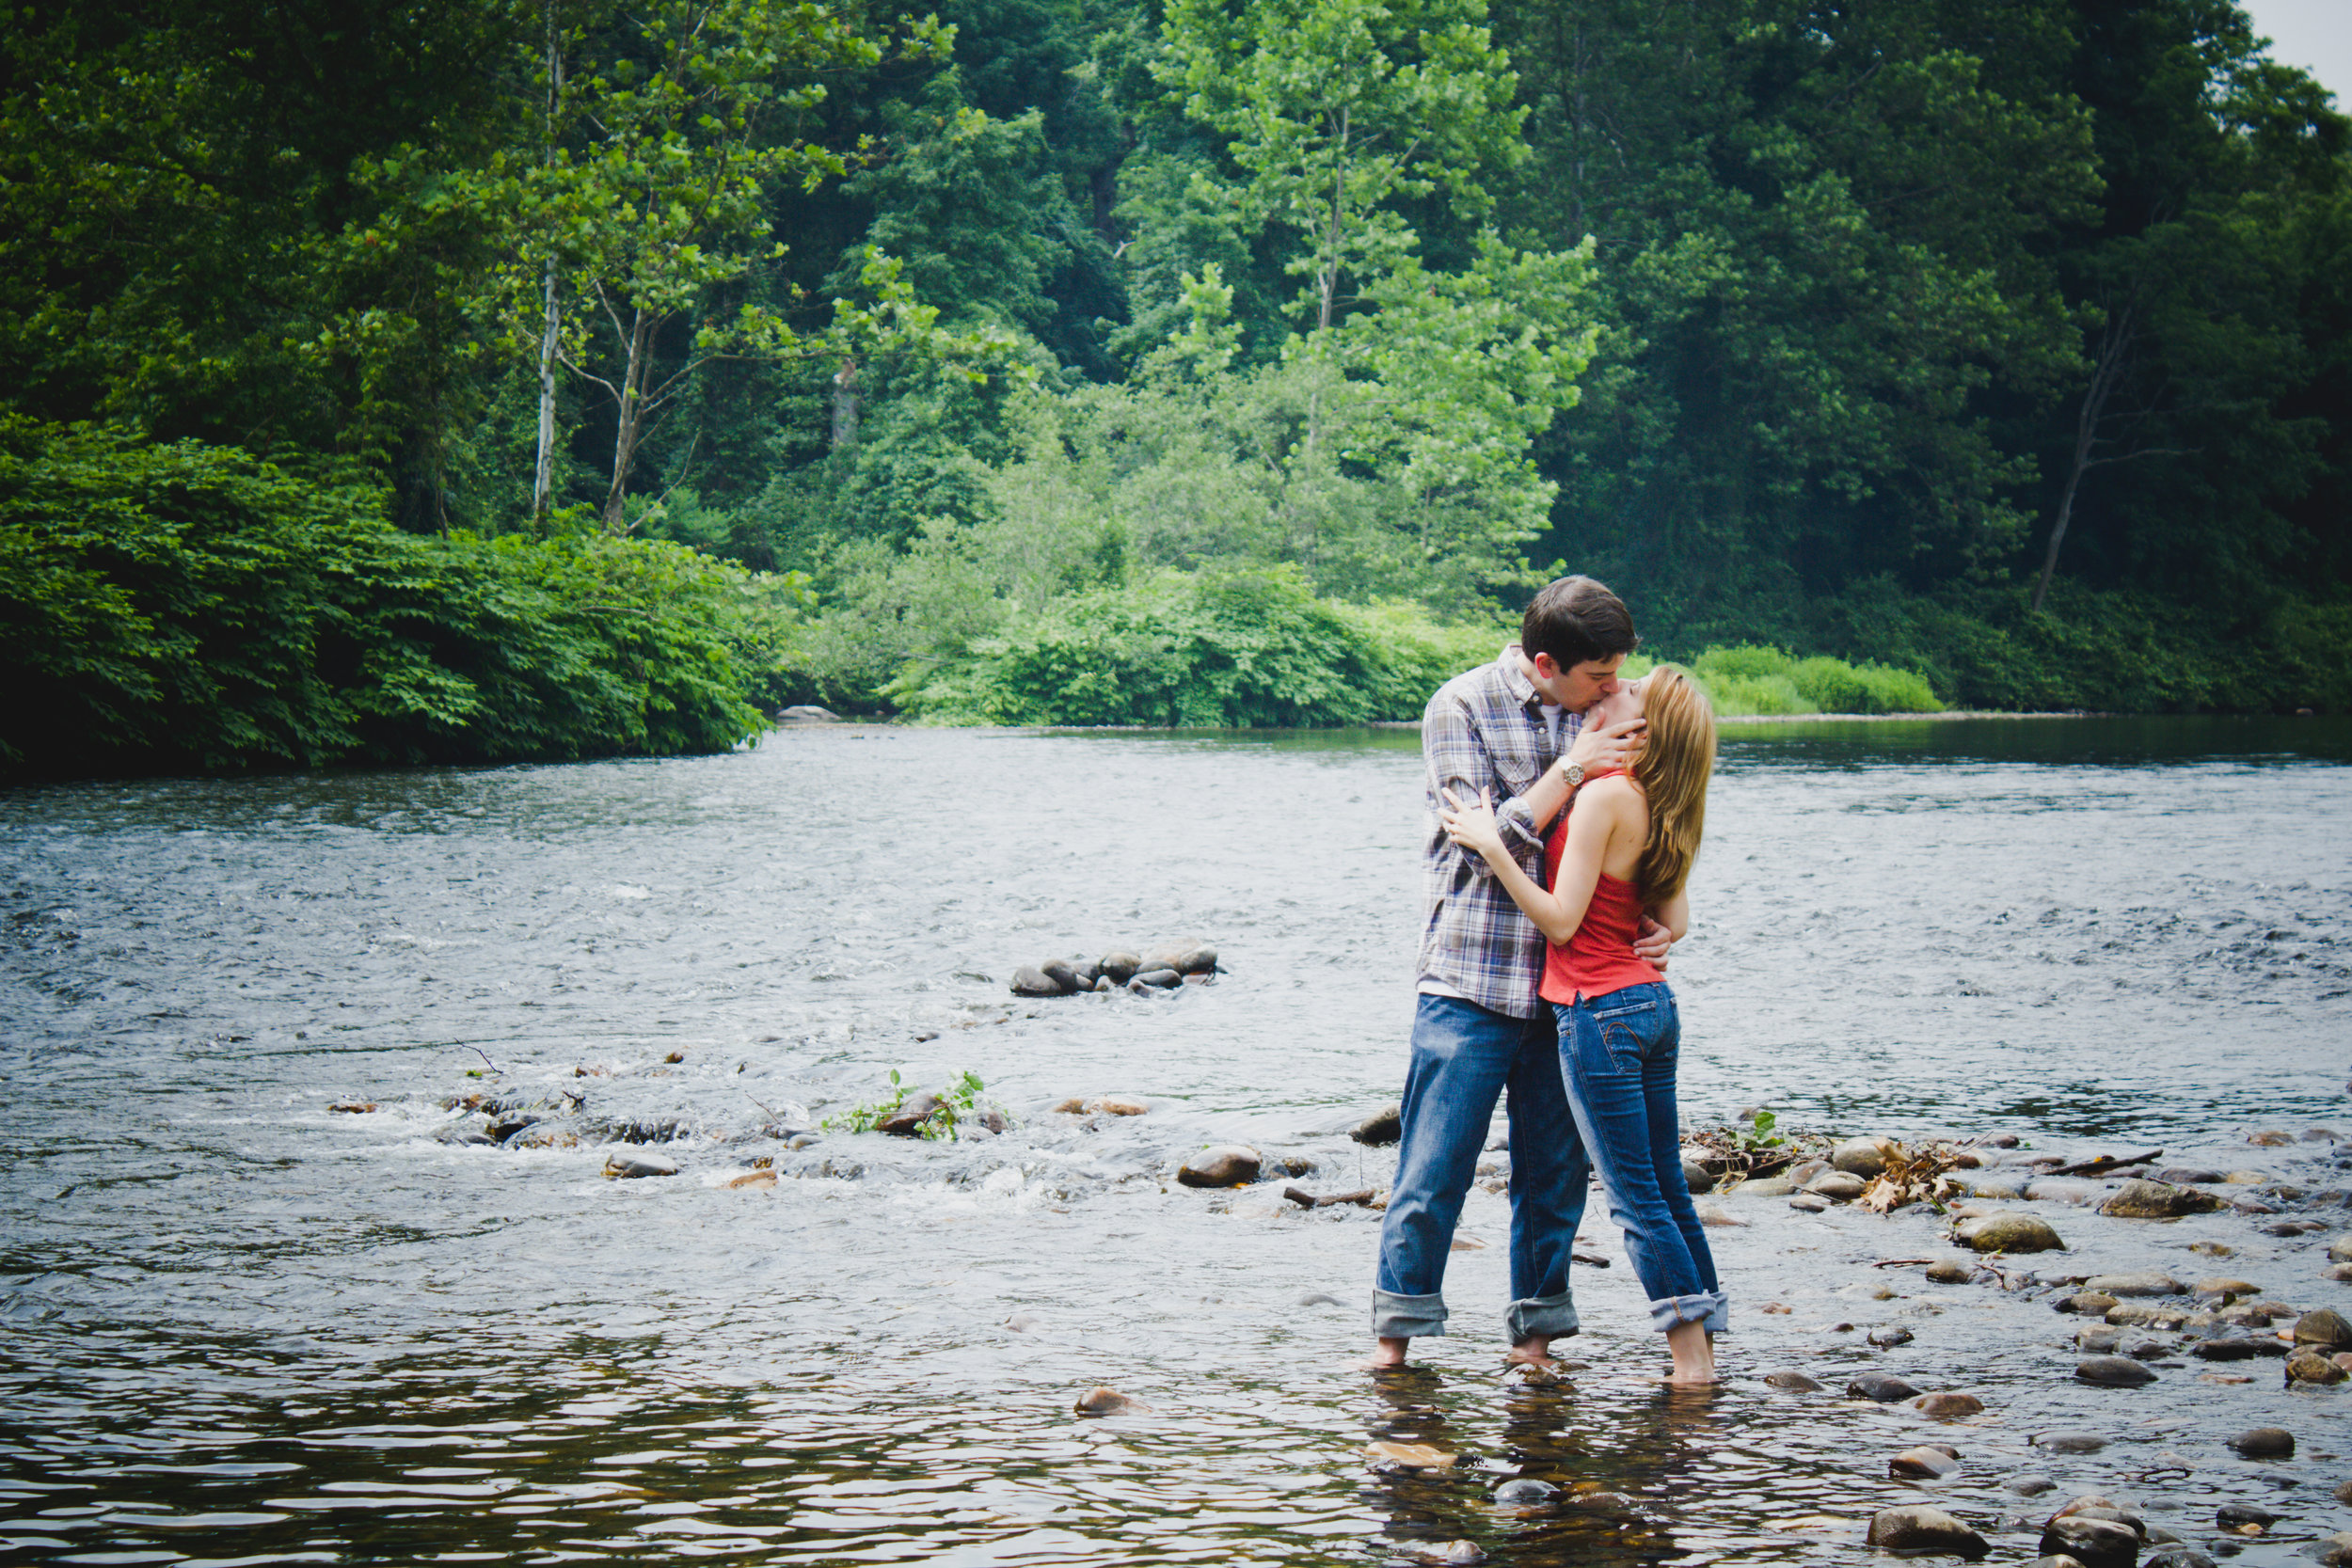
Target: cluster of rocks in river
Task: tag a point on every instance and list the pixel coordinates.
(1163, 969)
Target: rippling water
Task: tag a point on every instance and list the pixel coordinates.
(240, 1328)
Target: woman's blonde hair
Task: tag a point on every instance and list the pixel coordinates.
(1672, 767)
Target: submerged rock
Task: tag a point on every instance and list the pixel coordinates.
(2010, 1233)
(1105, 1402)
(755, 1179)
(1411, 1456)
(1224, 1165)
(1887, 1339)
(2265, 1443)
(1951, 1271)
(2188, 1176)
(1028, 980)
(1921, 1528)
(1122, 1106)
(1947, 1408)
(2030, 1486)
(912, 1113)
(2236, 1347)
(2176, 1557)
(1923, 1464)
(2231, 1515)
(1525, 1492)
(2140, 1199)
(1795, 1383)
(2311, 1367)
(1884, 1387)
(2092, 1543)
(2147, 1282)
(1380, 1129)
(2113, 1372)
(622, 1164)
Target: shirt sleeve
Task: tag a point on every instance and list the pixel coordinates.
(1457, 760)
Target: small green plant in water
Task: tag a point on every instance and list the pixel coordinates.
(958, 1097)
(1755, 1135)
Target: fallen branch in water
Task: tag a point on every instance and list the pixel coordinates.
(1593, 1259)
(2106, 1163)
(1306, 1200)
(1900, 1262)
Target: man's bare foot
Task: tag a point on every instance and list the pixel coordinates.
(1387, 1356)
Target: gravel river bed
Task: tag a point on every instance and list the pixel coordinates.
(240, 1326)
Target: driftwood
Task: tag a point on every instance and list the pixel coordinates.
(1900, 1262)
(1306, 1200)
(2106, 1163)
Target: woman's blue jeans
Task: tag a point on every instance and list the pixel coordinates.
(1464, 1056)
(1618, 1054)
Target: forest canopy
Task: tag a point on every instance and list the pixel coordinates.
(549, 378)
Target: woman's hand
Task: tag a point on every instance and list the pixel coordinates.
(1473, 826)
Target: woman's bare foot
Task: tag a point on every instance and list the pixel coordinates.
(1387, 1356)
(1534, 1351)
(1693, 1351)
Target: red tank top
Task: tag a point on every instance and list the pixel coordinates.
(1598, 958)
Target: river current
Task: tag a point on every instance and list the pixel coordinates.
(238, 1326)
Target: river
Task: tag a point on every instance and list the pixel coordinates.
(241, 1327)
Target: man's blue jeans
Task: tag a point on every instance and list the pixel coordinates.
(1618, 1053)
(1463, 1059)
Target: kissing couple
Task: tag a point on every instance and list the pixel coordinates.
(1565, 808)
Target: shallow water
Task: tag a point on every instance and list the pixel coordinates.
(242, 1327)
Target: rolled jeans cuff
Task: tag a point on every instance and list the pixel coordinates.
(1398, 1317)
(1710, 1308)
(1554, 1317)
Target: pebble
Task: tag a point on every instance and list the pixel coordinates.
(1951, 1271)
(1105, 1402)
(1947, 1408)
(2101, 1341)
(2091, 1303)
(2188, 1176)
(2148, 1282)
(1452, 1554)
(1382, 1127)
(1887, 1339)
(2270, 1139)
(2010, 1233)
(2030, 1486)
(1769, 1186)
(2343, 1493)
(1809, 1203)
(2063, 1189)
(2325, 1328)
(2311, 1367)
(2113, 1372)
(2222, 1286)
(1696, 1177)
(1836, 1185)
(1163, 978)
(1922, 1528)
(2265, 1443)
(1029, 980)
(2236, 1347)
(2176, 1557)
(1526, 1492)
(2340, 1250)
(1715, 1215)
(1923, 1464)
(2334, 1551)
(1223, 1166)
(1862, 1157)
(752, 1178)
(1793, 1382)
(1882, 1387)
(635, 1162)
(1119, 966)
(2069, 1442)
(1805, 1170)
(2139, 1199)
(2231, 1515)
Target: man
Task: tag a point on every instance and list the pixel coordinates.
(1514, 729)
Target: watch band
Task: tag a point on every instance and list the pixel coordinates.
(1574, 773)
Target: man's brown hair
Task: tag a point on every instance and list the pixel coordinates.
(1576, 620)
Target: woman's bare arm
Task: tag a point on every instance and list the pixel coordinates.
(1605, 814)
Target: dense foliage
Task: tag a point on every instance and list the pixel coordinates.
(484, 380)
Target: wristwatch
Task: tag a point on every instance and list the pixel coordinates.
(1574, 773)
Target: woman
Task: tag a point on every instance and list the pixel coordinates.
(1627, 848)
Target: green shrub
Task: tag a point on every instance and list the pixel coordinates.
(1747, 681)
(187, 607)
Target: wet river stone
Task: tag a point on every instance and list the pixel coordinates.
(1029, 980)
(1947, 1408)
(2325, 1329)
(2236, 1347)
(1882, 1387)
(1926, 1462)
(2147, 1282)
(1525, 1492)
(2340, 1250)
(1794, 1382)
(633, 1162)
(1119, 966)
(1382, 1127)
(2265, 1443)
(2334, 1551)
(1862, 1157)
(2139, 1199)
(2113, 1372)
(2311, 1367)
(1836, 1185)
(1921, 1528)
(2176, 1557)
(2006, 1232)
(2231, 1515)
(1223, 1166)
(1951, 1271)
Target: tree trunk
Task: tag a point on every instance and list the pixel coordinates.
(844, 406)
(630, 419)
(2114, 351)
(543, 478)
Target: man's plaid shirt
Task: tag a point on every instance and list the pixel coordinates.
(1485, 730)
